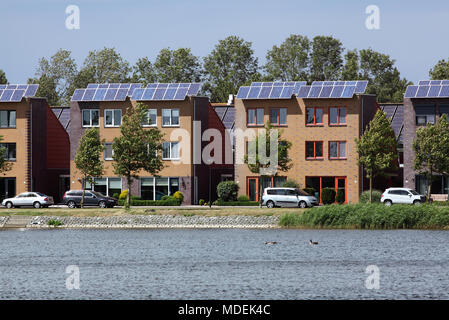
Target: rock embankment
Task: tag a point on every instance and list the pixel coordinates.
(158, 221)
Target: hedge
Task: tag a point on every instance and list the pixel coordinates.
(370, 216)
(237, 203)
(169, 202)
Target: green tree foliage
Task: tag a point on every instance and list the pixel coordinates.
(230, 65)
(326, 59)
(88, 157)
(432, 149)
(137, 148)
(227, 190)
(47, 89)
(5, 165)
(377, 148)
(177, 66)
(440, 71)
(143, 71)
(3, 79)
(351, 68)
(289, 61)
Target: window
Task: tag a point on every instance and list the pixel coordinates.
(314, 116)
(425, 115)
(10, 151)
(91, 117)
(337, 150)
(156, 188)
(7, 119)
(255, 117)
(105, 186)
(150, 118)
(443, 109)
(108, 151)
(112, 117)
(278, 116)
(314, 150)
(170, 117)
(337, 116)
(170, 150)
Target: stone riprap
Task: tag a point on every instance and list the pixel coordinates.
(3, 221)
(159, 221)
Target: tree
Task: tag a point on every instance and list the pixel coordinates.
(5, 165)
(431, 150)
(59, 71)
(289, 61)
(351, 68)
(377, 148)
(177, 66)
(143, 71)
(3, 79)
(326, 60)
(87, 158)
(254, 158)
(440, 71)
(137, 148)
(230, 65)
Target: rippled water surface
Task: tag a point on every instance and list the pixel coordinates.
(223, 264)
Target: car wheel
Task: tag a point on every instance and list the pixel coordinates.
(302, 204)
(9, 205)
(417, 202)
(102, 204)
(270, 204)
(388, 203)
(71, 204)
(36, 205)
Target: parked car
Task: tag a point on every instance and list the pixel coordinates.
(287, 197)
(35, 199)
(401, 195)
(72, 199)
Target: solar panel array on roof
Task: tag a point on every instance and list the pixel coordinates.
(428, 89)
(15, 92)
(270, 90)
(166, 91)
(105, 92)
(396, 114)
(333, 89)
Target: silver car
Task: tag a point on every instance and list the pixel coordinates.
(35, 199)
(287, 197)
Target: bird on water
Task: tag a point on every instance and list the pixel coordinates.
(271, 242)
(313, 242)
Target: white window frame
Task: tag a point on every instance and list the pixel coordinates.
(112, 153)
(113, 118)
(148, 117)
(90, 113)
(171, 143)
(171, 118)
(8, 118)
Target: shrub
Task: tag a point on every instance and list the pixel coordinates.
(179, 196)
(243, 198)
(328, 195)
(166, 197)
(135, 198)
(116, 195)
(123, 195)
(364, 197)
(54, 222)
(237, 203)
(201, 202)
(215, 203)
(310, 191)
(290, 184)
(227, 190)
(168, 202)
(340, 196)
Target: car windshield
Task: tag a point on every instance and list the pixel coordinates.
(302, 192)
(40, 194)
(414, 192)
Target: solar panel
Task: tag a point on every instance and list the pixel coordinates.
(348, 92)
(326, 91)
(303, 92)
(337, 91)
(17, 95)
(7, 93)
(434, 91)
(422, 91)
(106, 92)
(411, 91)
(270, 90)
(15, 92)
(428, 89)
(166, 91)
(315, 91)
(254, 92)
(243, 92)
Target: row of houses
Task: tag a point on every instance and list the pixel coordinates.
(321, 120)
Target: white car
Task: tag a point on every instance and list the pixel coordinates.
(35, 199)
(287, 197)
(401, 195)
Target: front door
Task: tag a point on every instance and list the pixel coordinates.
(253, 189)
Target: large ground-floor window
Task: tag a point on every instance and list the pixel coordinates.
(254, 183)
(440, 184)
(107, 186)
(7, 188)
(155, 188)
(319, 183)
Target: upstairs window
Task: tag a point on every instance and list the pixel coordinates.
(9, 151)
(170, 151)
(108, 151)
(337, 150)
(314, 150)
(314, 116)
(425, 115)
(170, 117)
(278, 116)
(255, 117)
(7, 119)
(91, 117)
(150, 119)
(337, 116)
(112, 117)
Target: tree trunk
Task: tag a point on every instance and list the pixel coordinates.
(260, 191)
(429, 186)
(371, 189)
(84, 191)
(128, 195)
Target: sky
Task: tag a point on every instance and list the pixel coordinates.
(414, 33)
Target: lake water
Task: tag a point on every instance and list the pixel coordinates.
(223, 264)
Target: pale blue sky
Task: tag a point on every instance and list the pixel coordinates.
(415, 33)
